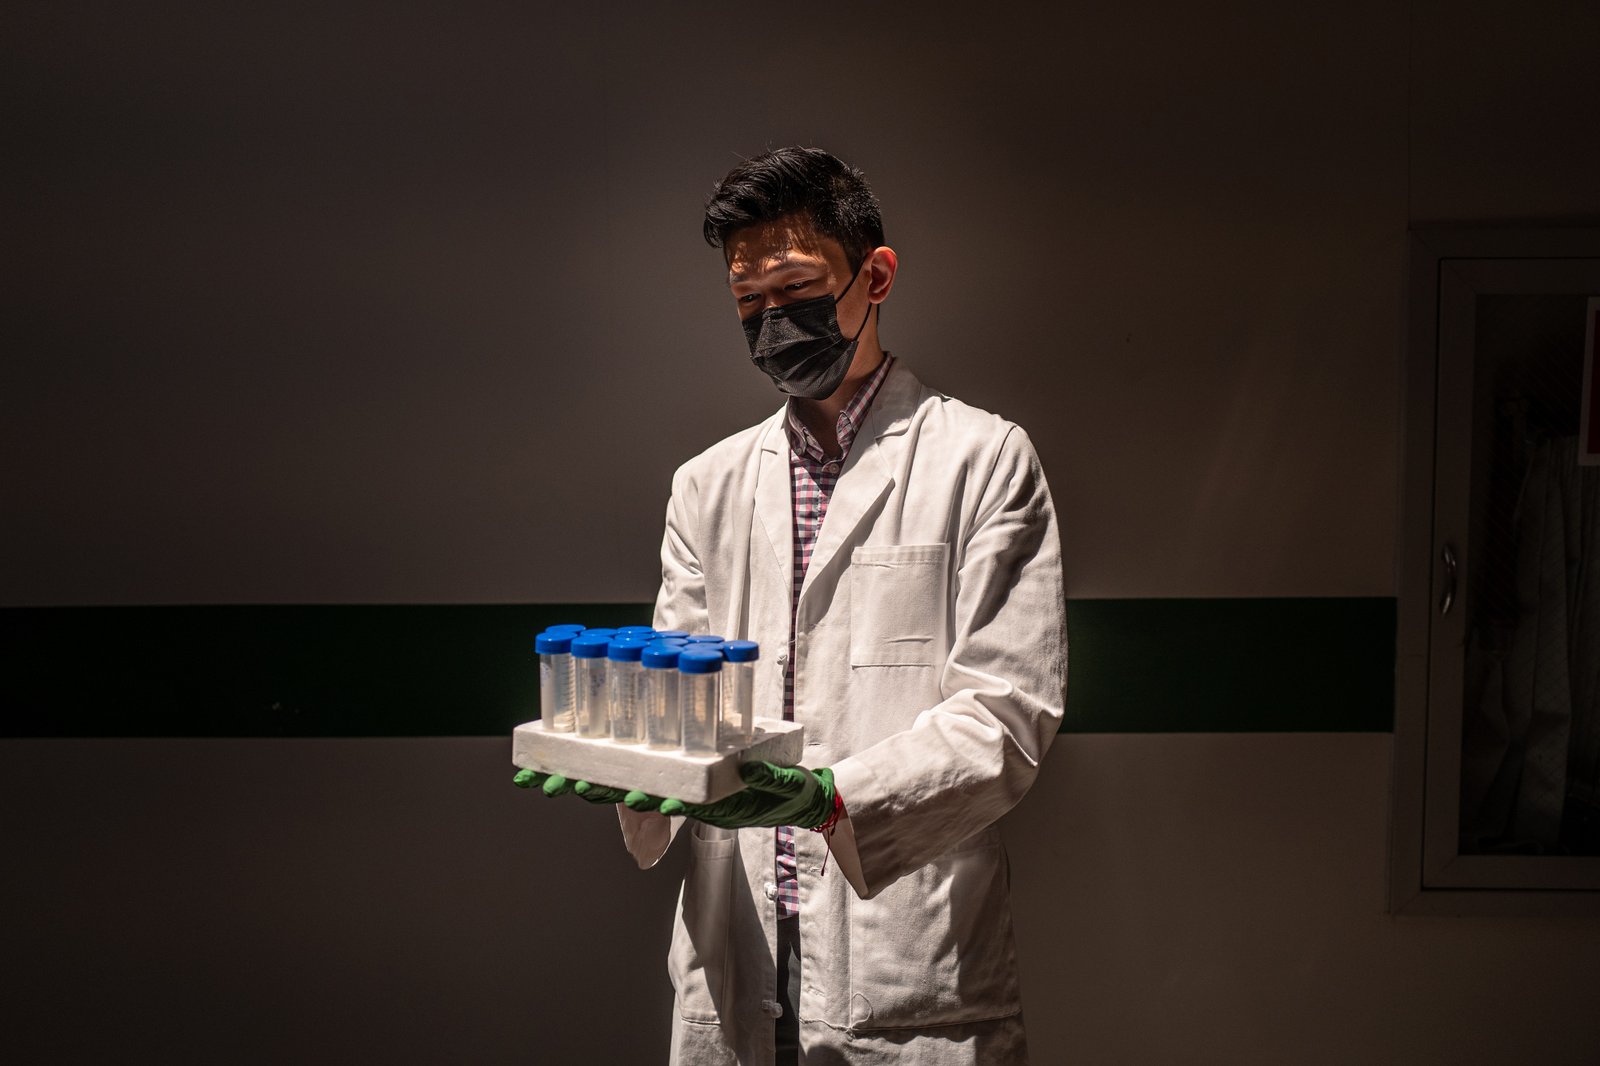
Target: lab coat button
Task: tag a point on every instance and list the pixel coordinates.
(771, 1009)
(770, 890)
(783, 657)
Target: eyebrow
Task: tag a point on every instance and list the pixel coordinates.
(787, 264)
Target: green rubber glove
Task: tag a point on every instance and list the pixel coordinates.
(556, 785)
(772, 796)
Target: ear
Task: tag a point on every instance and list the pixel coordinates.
(882, 265)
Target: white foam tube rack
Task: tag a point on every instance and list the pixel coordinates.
(691, 778)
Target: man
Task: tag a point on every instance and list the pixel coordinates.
(898, 551)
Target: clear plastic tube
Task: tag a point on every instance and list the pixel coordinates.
(625, 679)
(738, 692)
(592, 713)
(738, 701)
(663, 726)
(700, 698)
(554, 646)
(556, 691)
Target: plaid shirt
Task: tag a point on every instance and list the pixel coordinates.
(812, 476)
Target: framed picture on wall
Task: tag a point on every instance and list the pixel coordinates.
(1589, 431)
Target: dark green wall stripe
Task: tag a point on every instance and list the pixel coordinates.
(461, 670)
(1235, 665)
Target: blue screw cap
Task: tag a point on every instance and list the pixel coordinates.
(741, 651)
(557, 643)
(626, 650)
(590, 646)
(692, 660)
(661, 656)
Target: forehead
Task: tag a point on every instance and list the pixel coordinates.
(783, 242)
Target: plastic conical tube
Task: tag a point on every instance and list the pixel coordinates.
(738, 692)
(700, 698)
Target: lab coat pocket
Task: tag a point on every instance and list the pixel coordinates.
(897, 604)
(698, 961)
(935, 947)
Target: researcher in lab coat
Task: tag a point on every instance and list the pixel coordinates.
(896, 554)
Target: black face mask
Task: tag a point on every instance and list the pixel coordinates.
(799, 345)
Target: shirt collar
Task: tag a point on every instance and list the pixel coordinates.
(804, 444)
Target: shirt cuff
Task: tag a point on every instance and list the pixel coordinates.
(646, 834)
(841, 841)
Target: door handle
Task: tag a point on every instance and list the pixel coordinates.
(1448, 600)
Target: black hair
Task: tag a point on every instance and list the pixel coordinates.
(830, 193)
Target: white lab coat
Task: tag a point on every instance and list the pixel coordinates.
(930, 675)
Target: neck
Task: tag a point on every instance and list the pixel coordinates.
(821, 417)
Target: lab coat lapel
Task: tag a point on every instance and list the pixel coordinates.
(773, 510)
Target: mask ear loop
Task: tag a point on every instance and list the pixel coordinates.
(864, 317)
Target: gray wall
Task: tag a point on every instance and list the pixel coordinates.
(390, 304)
(321, 305)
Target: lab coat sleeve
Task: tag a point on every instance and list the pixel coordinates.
(680, 604)
(681, 601)
(968, 760)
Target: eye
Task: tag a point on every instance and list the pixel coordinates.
(747, 297)
(793, 285)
